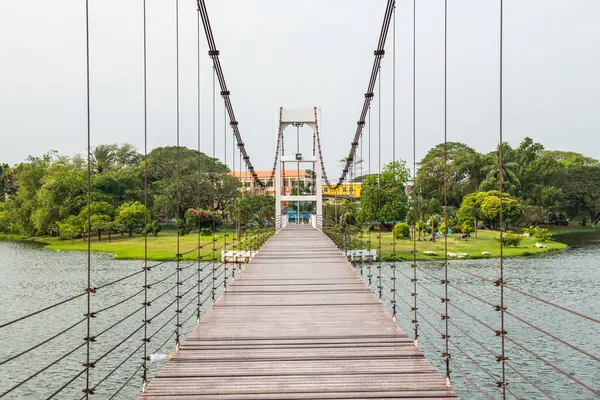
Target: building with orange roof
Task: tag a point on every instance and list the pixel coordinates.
(289, 180)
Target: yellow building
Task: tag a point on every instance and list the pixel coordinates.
(352, 190)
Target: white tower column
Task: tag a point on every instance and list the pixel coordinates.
(287, 117)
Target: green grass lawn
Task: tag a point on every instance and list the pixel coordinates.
(162, 247)
(486, 241)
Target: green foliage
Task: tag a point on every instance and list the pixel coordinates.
(541, 234)
(4, 168)
(582, 189)
(153, 228)
(463, 170)
(385, 200)
(486, 206)
(191, 177)
(510, 239)
(199, 218)
(467, 228)
(132, 215)
(70, 228)
(40, 194)
(443, 229)
(401, 230)
(183, 228)
(206, 232)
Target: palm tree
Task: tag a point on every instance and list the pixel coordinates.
(102, 157)
(509, 168)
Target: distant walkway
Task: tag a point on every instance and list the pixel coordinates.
(298, 324)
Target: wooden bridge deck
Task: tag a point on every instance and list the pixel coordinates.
(298, 324)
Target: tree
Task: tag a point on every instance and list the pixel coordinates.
(102, 157)
(3, 174)
(470, 209)
(582, 187)
(70, 228)
(101, 217)
(570, 159)
(25, 180)
(510, 168)
(384, 199)
(132, 215)
(241, 211)
(463, 170)
(486, 206)
(430, 209)
(263, 208)
(191, 177)
(126, 156)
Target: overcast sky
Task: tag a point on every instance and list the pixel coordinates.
(299, 54)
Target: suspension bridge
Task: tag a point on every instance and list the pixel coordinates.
(298, 312)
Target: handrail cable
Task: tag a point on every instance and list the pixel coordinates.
(127, 381)
(37, 373)
(514, 289)
(22, 353)
(437, 349)
(42, 310)
(540, 358)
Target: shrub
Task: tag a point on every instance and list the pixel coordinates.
(153, 228)
(443, 228)
(206, 232)
(457, 229)
(542, 234)
(401, 230)
(510, 239)
(467, 228)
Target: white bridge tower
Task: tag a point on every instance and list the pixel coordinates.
(296, 116)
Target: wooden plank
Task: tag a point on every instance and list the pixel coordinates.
(298, 323)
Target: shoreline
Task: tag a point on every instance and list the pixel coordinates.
(162, 248)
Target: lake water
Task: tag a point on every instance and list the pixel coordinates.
(32, 278)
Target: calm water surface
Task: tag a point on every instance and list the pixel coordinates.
(32, 278)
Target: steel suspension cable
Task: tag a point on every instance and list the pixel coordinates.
(145, 340)
(394, 159)
(89, 289)
(502, 358)
(445, 300)
(225, 162)
(378, 53)
(369, 271)
(225, 93)
(178, 200)
(198, 198)
(415, 198)
(379, 218)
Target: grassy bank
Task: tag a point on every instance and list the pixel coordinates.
(10, 236)
(162, 247)
(564, 230)
(486, 241)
